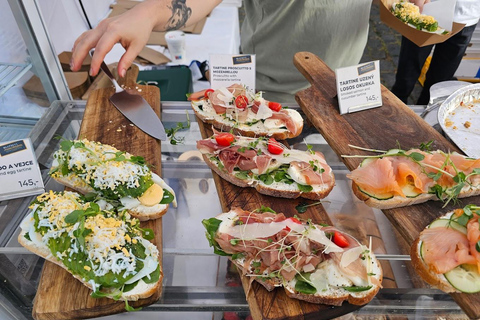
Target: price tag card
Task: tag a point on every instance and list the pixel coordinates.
(20, 175)
(227, 69)
(358, 87)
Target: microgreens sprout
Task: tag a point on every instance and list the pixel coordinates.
(173, 131)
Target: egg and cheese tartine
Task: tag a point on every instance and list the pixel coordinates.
(410, 14)
(88, 166)
(104, 249)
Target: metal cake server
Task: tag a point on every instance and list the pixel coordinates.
(136, 109)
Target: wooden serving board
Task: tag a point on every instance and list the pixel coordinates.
(276, 304)
(381, 128)
(59, 295)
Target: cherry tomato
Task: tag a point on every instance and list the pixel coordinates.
(275, 106)
(340, 240)
(274, 147)
(225, 139)
(293, 219)
(207, 92)
(241, 102)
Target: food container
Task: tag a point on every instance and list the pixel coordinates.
(459, 117)
(419, 37)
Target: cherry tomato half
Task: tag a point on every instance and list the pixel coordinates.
(275, 106)
(207, 92)
(225, 139)
(241, 102)
(274, 147)
(340, 240)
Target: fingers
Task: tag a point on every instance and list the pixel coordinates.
(80, 50)
(103, 46)
(128, 57)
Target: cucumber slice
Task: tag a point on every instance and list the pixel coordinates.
(394, 151)
(446, 223)
(410, 191)
(367, 161)
(384, 196)
(464, 278)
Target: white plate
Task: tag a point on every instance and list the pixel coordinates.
(459, 117)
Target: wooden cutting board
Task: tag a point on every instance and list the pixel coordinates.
(382, 129)
(59, 295)
(276, 304)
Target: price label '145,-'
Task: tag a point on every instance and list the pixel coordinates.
(19, 172)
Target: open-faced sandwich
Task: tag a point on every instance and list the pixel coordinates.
(88, 166)
(245, 112)
(447, 252)
(398, 178)
(268, 166)
(104, 249)
(410, 14)
(318, 264)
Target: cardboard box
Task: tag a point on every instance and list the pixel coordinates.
(420, 38)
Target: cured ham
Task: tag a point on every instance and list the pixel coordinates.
(246, 112)
(315, 263)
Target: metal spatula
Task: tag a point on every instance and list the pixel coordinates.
(136, 109)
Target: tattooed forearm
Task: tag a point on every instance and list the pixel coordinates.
(180, 15)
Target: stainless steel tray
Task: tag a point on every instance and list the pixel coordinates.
(459, 117)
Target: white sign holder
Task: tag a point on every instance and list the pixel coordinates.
(20, 175)
(358, 87)
(227, 69)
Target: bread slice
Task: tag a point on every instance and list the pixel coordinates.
(244, 112)
(237, 240)
(77, 157)
(437, 280)
(399, 201)
(422, 175)
(276, 189)
(309, 176)
(140, 291)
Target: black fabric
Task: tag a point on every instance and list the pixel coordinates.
(445, 60)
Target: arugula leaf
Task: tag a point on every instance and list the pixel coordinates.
(154, 276)
(212, 225)
(357, 288)
(301, 207)
(266, 178)
(168, 197)
(148, 234)
(66, 145)
(74, 216)
(304, 188)
(304, 287)
(265, 209)
(130, 308)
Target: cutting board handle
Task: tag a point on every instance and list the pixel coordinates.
(316, 72)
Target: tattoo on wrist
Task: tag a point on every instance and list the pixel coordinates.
(180, 15)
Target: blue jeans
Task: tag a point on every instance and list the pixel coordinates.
(445, 61)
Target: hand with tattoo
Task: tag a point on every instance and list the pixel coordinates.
(132, 30)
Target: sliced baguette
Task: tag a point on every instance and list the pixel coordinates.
(335, 294)
(437, 280)
(141, 291)
(276, 189)
(399, 201)
(102, 151)
(36, 245)
(222, 123)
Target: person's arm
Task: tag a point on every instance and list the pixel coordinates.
(133, 28)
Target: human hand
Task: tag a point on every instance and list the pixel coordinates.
(420, 3)
(132, 29)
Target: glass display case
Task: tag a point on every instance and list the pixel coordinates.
(197, 283)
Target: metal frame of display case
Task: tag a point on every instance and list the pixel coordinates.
(64, 118)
